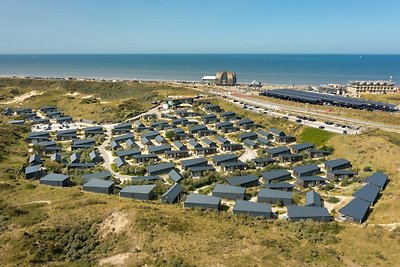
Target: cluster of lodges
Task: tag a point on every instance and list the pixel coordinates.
(185, 141)
(43, 115)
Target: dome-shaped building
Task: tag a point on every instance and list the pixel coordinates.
(225, 78)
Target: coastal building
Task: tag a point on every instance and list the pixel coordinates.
(255, 209)
(275, 196)
(373, 87)
(55, 179)
(229, 191)
(225, 78)
(244, 180)
(99, 186)
(202, 201)
(140, 192)
(318, 214)
(173, 194)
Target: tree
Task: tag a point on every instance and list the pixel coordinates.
(170, 135)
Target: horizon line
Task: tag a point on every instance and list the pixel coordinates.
(194, 53)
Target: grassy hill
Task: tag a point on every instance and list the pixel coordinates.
(99, 101)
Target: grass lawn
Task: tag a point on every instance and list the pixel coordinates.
(316, 136)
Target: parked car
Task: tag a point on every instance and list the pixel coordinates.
(321, 127)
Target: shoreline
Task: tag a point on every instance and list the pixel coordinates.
(159, 81)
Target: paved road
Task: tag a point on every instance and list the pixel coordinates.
(293, 109)
(108, 157)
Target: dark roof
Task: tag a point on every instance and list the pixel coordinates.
(319, 98)
(202, 199)
(244, 179)
(150, 134)
(275, 174)
(99, 183)
(130, 152)
(301, 212)
(153, 149)
(93, 129)
(175, 176)
(230, 189)
(368, 193)
(302, 146)
(201, 168)
(336, 162)
(221, 158)
(249, 206)
(311, 178)
(249, 142)
(54, 177)
(264, 133)
(248, 135)
(342, 172)
(66, 132)
(228, 114)
(208, 116)
(207, 141)
(233, 164)
(145, 156)
(81, 165)
(83, 141)
(145, 178)
(279, 185)
(198, 128)
(120, 162)
(306, 168)
(33, 169)
(275, 131)
(179, 144)
(221, 139)
(245, 121)
(193, 143)
(313, 198)
(260, 160)
(124, 137)
(270, 193)
(96, 175)
(160, 167)
(357, 209)
(123, 126)
(263, 141)
(172, 192)
(138, 189)
(191, 162)
(279, 149)
(224, 124)
(378, 179)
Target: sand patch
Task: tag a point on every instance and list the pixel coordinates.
(39, 202)
(115, 223)
(72, 94)
(23, 97)
(117, 259)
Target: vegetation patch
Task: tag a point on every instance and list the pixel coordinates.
(316, 136)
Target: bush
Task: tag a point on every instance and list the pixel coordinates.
(367, 169)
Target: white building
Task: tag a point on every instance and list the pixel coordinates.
(374, 87)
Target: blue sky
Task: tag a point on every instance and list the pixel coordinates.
(189, 26)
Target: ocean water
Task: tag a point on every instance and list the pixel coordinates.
(269, 68)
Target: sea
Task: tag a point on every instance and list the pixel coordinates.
(292, 69)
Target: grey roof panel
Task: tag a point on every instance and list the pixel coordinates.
(301, 212)
(378, 179)
(368, 193)
(357, 209)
